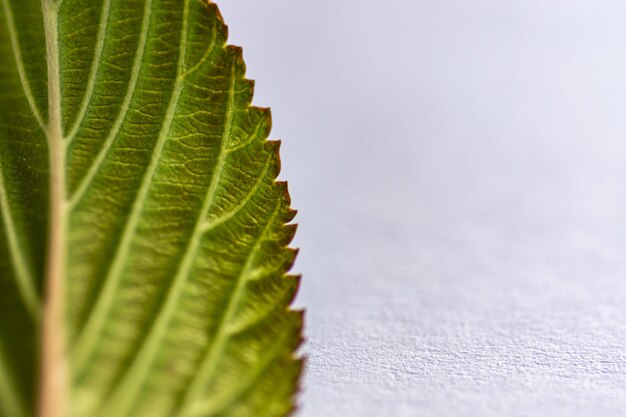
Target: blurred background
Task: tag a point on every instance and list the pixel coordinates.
(460, 172)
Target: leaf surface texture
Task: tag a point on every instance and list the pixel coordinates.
(174, 229)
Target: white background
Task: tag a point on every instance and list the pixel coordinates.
(460, 171)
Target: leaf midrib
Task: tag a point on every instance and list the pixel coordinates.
(53, 391)
(61, 204)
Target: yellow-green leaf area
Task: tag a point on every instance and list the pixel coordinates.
(138, 191)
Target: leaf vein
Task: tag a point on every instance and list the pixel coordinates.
(100, 158)
(212, 224)
(92, 329)
(95, 65)
(134, 378)
(19, 62)
(208, 363)
(222, 404)
(25, 281)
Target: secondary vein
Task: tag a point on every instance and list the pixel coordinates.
(17, 52)
(100, 158)
(208, 364)
(24, 279)
(88, 337)
(135, 376)
(95, 65)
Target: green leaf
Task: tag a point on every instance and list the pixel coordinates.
(143, 236)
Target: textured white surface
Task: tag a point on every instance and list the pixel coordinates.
(460, 170)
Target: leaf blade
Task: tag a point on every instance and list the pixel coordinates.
(17, 52)
(25, 280)
(177, 244)
(23, 159)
